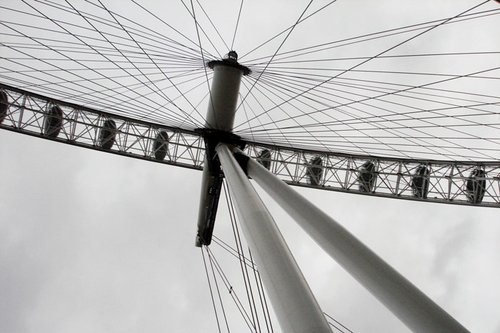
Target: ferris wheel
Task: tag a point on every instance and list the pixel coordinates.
(387, 102)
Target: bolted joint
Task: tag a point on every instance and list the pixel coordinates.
(230, 61)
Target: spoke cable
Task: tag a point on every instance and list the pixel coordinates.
(166, 76)
(205, 67)
(157, 89)
(237, 23)
(377, 55)
(287, 29)
(209, 254)
(277, 50)
(211, 291)
(211, 23)
(103, 88)
(374, 35)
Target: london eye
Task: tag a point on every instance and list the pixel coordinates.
(385, 115)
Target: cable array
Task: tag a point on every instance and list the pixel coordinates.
(394, 91)
(257, 313)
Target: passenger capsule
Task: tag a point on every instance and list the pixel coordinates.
(315, 170)
(53, 122)
(367, 177)
(420, 182)
(4, 105)
(160, 146)
(107, 134)
(475, 186)
(264, 158)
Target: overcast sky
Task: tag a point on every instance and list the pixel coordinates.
(96, 242)
(93, 242)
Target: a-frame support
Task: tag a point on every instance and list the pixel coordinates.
(417, 311)
(292, 300)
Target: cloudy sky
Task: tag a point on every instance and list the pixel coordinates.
(95, 242)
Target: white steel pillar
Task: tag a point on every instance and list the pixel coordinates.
(292, 300)
(406, 301)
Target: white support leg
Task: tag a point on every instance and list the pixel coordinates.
(406, 301)
(292, 300)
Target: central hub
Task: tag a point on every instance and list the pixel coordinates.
(221, 111)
